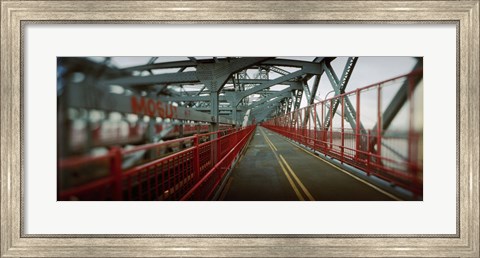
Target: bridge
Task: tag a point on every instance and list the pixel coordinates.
(236, 129)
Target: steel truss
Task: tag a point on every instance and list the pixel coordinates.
(224, 88)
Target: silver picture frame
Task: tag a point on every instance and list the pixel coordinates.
(16, 14)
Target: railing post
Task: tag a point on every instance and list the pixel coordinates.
(218, 147)
(369, 152)
(116, 172)
(331, 125)
(413, 168)
(305, 127)
(314, 126)
(237, 131)
(196, 159)
(412, 154)
(357, 127)
(343, 130)
(322, 128)
(379, 126)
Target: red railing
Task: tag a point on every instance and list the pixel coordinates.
(189, 168)
(359, 134)
(107, 133)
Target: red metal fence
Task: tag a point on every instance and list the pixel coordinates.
(370, 128)
(189, 168)
(108, 133)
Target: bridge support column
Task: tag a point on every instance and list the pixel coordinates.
(214, 110)
(234, 115)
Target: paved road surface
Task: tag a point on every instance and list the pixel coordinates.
(273, 169)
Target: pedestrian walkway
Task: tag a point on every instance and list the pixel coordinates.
(274, 169)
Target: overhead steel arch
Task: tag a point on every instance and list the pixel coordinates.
(213, 90)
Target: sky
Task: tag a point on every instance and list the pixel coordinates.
(367, 71)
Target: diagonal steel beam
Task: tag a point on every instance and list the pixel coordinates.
(311, 95)
(205, 72)
(190, 63)
(279, 80)
(288, 62)
(215, 75)
(400, 98)
(313, 92)
(262, 115)
(269, 100)
(269, 105)
(398, 101)
(298, 99)
(189, 98)
(285, 92)
(339, 88)
(317, 60)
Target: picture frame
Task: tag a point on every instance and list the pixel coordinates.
(14, 14)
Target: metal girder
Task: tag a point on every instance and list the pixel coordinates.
(79, 96)
(270, 104)
(397, 102)
(259, 115)
(269, 100)
(274, 95)
(313, 92)
(206, 72)
(275, 69)
(290, 103)
(306, 90)
(298, 99)
(276, 81)
(183, 77)
(207, 108)
(399, 99)
(311, 96)
(262, 115)
(90, 67)
(339, 88)
(189, 63)
(317, 60)
(288, 62)
(237, 96)
(287, 105)
(200, 91)
(257, 81)
(214, 75)
(229, 97)
(166, 65)
(190, 98)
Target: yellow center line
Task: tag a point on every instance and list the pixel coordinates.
(295, 189)
(348, 173)
(305, 190)
(269, 142)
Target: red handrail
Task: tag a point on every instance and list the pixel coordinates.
(163, 177)
(395, 155)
